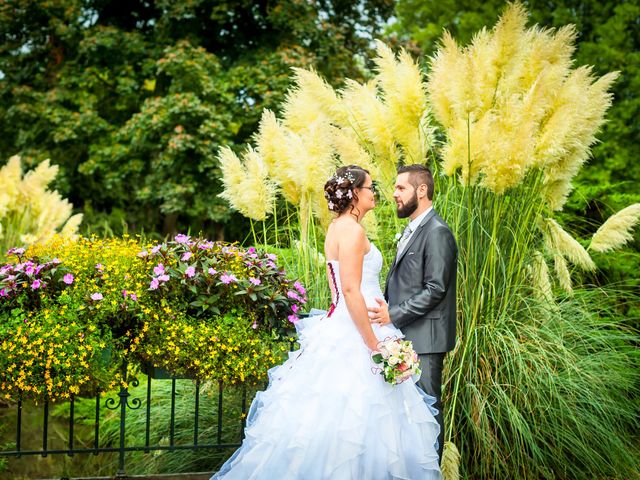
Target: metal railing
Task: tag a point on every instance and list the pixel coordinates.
(123, 403)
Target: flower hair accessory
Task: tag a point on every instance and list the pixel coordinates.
(341, 178)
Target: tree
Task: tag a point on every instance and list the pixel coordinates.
(133, 99)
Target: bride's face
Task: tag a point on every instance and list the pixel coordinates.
(366, 195)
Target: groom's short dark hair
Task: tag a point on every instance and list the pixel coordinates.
(419, 174)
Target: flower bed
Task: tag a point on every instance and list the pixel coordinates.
(194, 307)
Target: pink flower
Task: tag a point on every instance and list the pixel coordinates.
(158, 269)
(96, 296)
(164, 278)
(298, 286)
(30, 270)
(124, 293)
(212, 271)
(36, 284)
(156, 249)
(154, 284)
(255, 281)
(254, 326)
(56, 261)
(134, 297)
(180, 238)
(272, 256)
(143, 254)
(68, 279)
(15, 251)
(228, 278)
(190, 272)
(99, 267)
(251, 250)
(186, 256)
(295, 308)
(3, 293)
(293, 318)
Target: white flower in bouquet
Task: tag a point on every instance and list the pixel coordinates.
(397, 359)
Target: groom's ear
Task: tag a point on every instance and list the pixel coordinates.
(422, 190)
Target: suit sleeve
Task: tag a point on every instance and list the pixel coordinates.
(440, 255)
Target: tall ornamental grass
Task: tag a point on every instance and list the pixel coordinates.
(542, 380)
(29, 211)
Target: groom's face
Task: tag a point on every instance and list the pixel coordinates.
(405, 196)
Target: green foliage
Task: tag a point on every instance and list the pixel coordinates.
(133, 102)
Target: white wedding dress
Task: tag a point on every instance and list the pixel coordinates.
(327, 414)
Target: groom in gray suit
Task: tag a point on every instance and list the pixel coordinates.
(421, 284)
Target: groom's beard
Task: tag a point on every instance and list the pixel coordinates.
(408, 208)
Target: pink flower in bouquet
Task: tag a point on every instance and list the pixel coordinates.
(186, 256)
(295, 308)
(293, 318)
(3, 293)
(212, 271)
(99, 267)
(56, 261)
(164, 278)
(36, 284)
(96, 296)
(156, 249)
(272, 256)
(158, 269)
(133, 297)
(154, 284)
(29, 269)
(190, 272)
(143, 254)
(68, 279)
(255, 281)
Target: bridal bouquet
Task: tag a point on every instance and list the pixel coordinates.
(397, 359)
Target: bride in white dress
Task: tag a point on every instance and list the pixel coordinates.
(327, 414)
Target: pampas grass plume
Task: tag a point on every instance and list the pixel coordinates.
(450, 464)
(616, 231)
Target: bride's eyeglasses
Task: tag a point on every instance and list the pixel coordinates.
(373, 188)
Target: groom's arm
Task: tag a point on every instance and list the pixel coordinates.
(440, 255)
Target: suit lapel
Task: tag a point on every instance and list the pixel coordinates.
(413, 238)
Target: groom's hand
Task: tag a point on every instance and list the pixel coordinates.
(379, 314)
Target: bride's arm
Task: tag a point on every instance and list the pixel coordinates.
(350, 257)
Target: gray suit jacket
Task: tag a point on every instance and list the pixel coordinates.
(421, 287)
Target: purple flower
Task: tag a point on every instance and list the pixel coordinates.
(156, 249)
(15, 251)
(298, 286)
(294, 295)
(5, 269)
(270, 264)
(164, 278)
(186, 256)
(158, 269)
(36, 284)
(180, 238)
(228, 278)
(293, 318)
(190, 272)
(143, 254)
(30, 270)
(99, 267)
(56, 261)
(206, 246)
(154, 284)
(251, 250)
(212, 271)
(39, 269)
(3, 292)
(68, 279)
(96, 296)
(254, 326)
(295, 308)
(272, 256)
(133, 297)
(124, 293)
(255, 281)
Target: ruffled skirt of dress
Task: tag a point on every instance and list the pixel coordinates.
(328, 415)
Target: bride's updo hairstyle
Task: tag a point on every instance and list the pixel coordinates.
(340, 188)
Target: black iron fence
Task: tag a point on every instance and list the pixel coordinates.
(126, 405)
